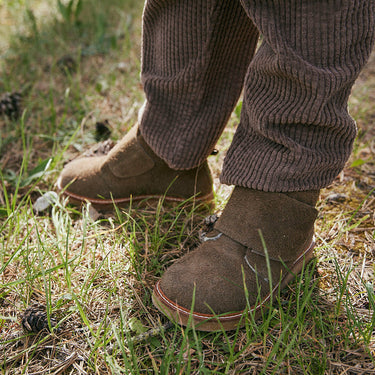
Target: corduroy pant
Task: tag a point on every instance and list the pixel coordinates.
(295, 132)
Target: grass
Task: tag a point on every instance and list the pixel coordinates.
(78, 64)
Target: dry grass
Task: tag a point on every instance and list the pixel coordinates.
(94, 275)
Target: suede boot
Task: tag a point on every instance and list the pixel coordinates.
(256, 227)
(131, 171)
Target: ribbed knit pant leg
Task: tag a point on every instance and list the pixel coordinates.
(295, 132)
(195, 55)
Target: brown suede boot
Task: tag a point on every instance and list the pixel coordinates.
(233, 256)
(132, 172)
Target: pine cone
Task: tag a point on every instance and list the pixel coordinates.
(102, 130)
(209, 223)
(10, 105)
(67, 64)
(34, 319)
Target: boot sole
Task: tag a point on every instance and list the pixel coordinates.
(107, 205)
(227, 322)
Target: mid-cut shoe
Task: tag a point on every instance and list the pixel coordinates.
(131, 171)
(261, 241)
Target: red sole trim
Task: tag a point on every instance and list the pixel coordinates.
(109, 203)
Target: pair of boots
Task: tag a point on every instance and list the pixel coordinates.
(261, 241)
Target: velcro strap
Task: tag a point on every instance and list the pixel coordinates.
(128, 158)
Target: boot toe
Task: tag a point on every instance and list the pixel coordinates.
(208, 280)
(82, 178)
